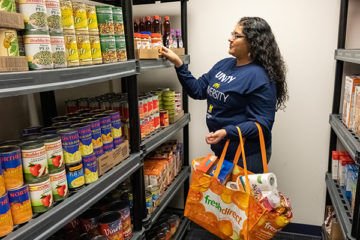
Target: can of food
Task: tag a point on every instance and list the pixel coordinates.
(97, 111)
(30, 137)
(95, 131)
(71, 145)
(155, 191)
(105, 20)
(84, 131)
(8, 6)
(21, 45)
(61, 125)
(108, 147)
(20, 204)
(150, 104)
(98, 152)
(6, 221)
(149, 202)
(73, 225)
(108, 49)
(118, 141)
(58, 50)
(34, 161)
(95, 52)
(142, 128)
(106, 128)
(110, 225)
(49, 130)
(115, 123)
(35, 16)
(31, 130)
(120, 48)
(41, 196)
(54, 153)
(59, 185)
(164, 118)
(67, 18)
(118, 21)
(9, 43)
(91, 168)
(54, 16)
(2, 182)
(105, 104)
(156, 117)
(93, 103)
(89, 221)
(92, 19)
(71, 49)
(75, 175)
(38, 50)
(84, 49)
(141, 107)
(123, 208)
(80, 16)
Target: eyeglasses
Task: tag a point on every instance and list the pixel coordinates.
(235, 35)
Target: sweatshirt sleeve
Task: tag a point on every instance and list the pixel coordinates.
(261, 109)
(195, 88)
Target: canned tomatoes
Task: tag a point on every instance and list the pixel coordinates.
(110, 225)
(105, 124)
(59, 185)
(84, 131)
(123, 208)
(54, 153)
(90, 221)
(41, 196)
(10, 157)
(75, 175)
(95, 131)
(6, 222)
(91, 168)
(71, 145)
(34, 161)
(20, 204)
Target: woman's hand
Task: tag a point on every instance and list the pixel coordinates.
(215, 137)
(172, 57)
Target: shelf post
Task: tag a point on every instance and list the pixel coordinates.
(48, 107)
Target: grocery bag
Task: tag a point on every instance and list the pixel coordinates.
(228, 213)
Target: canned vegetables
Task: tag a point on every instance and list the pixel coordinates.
(92, 19)
(10, 157)
(75, 175)
(67, 19)
(71, 49)
(105, 20)
(58, 49)
(71, 145)
(110, 225)
(6, 222)
(41, 196)
(34, 12)
(54, 16)
(20, 204)
(84, 49)
(108, 48)
(8, 6)
(84, 131)
(91, 168)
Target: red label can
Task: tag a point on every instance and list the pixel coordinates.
(111, 226)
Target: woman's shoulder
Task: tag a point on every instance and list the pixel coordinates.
(225, 62)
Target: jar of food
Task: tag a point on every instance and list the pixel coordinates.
(137, 41)
(156, 41)
(145, 41)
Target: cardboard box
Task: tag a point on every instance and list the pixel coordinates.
(13, 64)
(176, 117)
(11, 20)
(178, 51)
(147, 54)
(348, 112)
(116, 156)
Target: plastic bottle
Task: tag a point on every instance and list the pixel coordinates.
(148, 25)
(166, 34)
(179, 39)
(156, 25)
(172, 40)
(136, 26)
(142, 25)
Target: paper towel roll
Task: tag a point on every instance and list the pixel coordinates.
(264, 182)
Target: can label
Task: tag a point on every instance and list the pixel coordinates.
(118, 20)
(34, 12)
(75, 176)
(116, 125)
(92, 19)
(54, 16)
(58, 51)
(99, 152)
(91, 169)
(105, 20)
(96, 134)
(71, 50)
(20, 204)
(113, 231)
(38, 51)
(90, 225)
(59, 185)
(108, 147)
(118, 141)
(80, 18)
(108, 48)
(71, 147)
(41, 196)
(35, 164)
(86, 147)
(12, 169)
(84, 49)
(6, 221)
(2, 183)
(67, 19)
(105, 123)
(55, 158)
(121, 48)
(95, 48)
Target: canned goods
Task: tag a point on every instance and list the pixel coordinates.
(98, 152)
(145, 106)
(95, 132)
(31, 130)
(150, 104)
(53, 16)
(108, 147)
(75, 175)
(71, 145)
(80, 16)
(106, 128)
(38, 50)
(58, 50)
(118, 21)
(105, 20)
(59, 119)
(84, 49)
(11, 142)
(97, 111)
(91, 168)
(110, 225)
(141, 107)
(35, 16)
(67, 19)
(164, 118)
(123, 208)
(108, 48)
(96, 55)
(83, 104)
(155, 191)
(20, 204)
(6, 222)
(9, 43)
(49, 130)
(115, 123)
(73, 225)
(120, 48)
(85, 137)
(149, 202)
(92, 19)
(59, 185)
(71, 49)
(2, 182)
(61, 125)
(118, 141)
(34, 161)
(105, 104)
(54, 152)
(93, 103)
(90, 221)
(156, 117)
(41, 196)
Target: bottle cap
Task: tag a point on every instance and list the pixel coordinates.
(156, 35)
(167, 18)
(148, 18)
(156, 17)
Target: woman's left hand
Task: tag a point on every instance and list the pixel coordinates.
(215, 137)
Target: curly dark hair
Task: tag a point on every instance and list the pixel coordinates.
(265, 51)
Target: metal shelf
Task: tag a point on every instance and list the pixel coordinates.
(167, 196)
(138, 235)
(348, 55)
(347, 137)
(147, 65)
(182, 229)
(18, 83)
(152, 142)
(50, 222)
(341, 206)
(140, 2)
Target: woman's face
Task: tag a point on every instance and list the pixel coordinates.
(239, 47)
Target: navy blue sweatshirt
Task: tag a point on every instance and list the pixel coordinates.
(236, 96)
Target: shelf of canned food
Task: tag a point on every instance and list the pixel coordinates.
(44, 225)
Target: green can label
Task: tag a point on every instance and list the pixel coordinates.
(59, 185)
(108, 49)
(121, 48)
(41, 196)
(35, 165)
(118, 20)
(105, 20)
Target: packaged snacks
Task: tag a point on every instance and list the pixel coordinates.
(80, 17)
(35, 15)
(71, 49)
(67, 19)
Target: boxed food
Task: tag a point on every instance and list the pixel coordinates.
(349, 100)
(178, 51)
(110, 159)
(146, 54)
(11, 20)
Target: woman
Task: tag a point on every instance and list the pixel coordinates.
(240, 91)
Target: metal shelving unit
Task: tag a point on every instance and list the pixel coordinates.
(138, 235)
(148, 65)
(183, 227)
(51, 221)
(348, 55)
(167, 196)
(151, 143)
